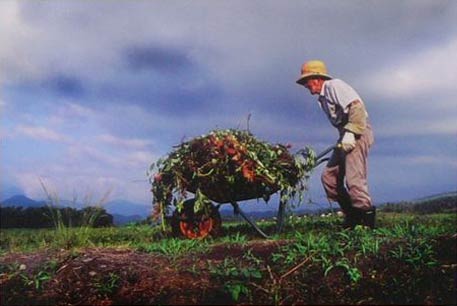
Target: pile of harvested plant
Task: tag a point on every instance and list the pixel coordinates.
(225, 166)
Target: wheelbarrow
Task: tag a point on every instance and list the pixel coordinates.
(197, 225)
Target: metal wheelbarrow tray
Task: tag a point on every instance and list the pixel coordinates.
(193, 225)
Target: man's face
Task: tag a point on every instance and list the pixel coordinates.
(314, 86)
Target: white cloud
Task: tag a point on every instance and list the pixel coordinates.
(29, 182)
(72, 109)
(17, 58)
(86, 153)
(432, 71)
(85, 169)
(40, 133)
(140, 159)
(122, 142)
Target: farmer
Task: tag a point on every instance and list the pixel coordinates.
(345, 176)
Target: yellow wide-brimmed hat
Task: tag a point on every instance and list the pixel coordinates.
(314, 68)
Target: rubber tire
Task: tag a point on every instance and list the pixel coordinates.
(188, 210)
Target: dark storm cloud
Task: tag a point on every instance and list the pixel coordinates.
(161, 71)
(167, 96)
(157, 58)
(159, 79)
(407, 146)
(65, 85)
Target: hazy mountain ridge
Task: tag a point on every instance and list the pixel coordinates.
(22, 200)
(122, 211)
(436, 197)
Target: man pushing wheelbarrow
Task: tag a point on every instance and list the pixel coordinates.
(230, 166)
(345, 177)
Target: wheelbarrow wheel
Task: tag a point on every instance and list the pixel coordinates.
(186, 223)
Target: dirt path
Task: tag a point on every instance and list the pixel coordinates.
(107, 276)
(101, 276)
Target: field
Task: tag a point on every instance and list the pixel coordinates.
(408, 259)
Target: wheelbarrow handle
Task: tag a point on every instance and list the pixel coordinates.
(305, 152)
(326, 151)
(319, 159)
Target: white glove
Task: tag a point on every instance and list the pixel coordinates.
(348, 142)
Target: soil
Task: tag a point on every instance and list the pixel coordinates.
(117, 276)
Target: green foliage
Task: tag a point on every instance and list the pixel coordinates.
(363, 240)
(416, 252)
(238, 238)
(28, 240)
(353, 273)
(411, 235)
(308, 246)
(174, 247)
(309, 235)
(108, 284)
(235, 276)
(35, 280)
(92, 215)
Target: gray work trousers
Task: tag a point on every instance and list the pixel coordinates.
(345, 177)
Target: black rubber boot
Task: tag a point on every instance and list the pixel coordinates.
(364, 217)
(350, 220)
(369, 218)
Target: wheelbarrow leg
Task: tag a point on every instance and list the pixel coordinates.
(238, 210)
(280, 216)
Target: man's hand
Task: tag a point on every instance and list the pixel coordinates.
(348, 142)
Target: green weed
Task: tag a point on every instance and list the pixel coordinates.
(418, 253)
(36, 280)
(174, 247)
(235, 239)
(65, 236)
(109, 284)
(361, 239)
(235, 276)
(354, 273)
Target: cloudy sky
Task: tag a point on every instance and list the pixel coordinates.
(92, 92)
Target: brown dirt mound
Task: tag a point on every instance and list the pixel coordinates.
(119, 276)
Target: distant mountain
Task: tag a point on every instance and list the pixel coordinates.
(7, 191)
(122, 211)
(436, 197)
(22, 200)
(127, 208)
(439, 203)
